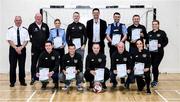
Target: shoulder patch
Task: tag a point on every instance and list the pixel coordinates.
(10, 27)
(25, 28)
(52, 28)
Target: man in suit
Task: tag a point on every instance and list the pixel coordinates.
(96, 29)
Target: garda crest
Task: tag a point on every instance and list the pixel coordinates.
(158, 35)
(125, 59)
(75, 60)
(43, 28)
(99, 60)
(144, 55)
(52, 57)
(80, 27)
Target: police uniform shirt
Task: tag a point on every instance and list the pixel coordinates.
(132, 27)
(142, 57)
(61, 33)
(76, 30)
(96, 31)
(95, 61)
(12, 34)
(124, 29)
(49, 60)
(123, 58)
(159, 35)
(72, 61)
(38, 35)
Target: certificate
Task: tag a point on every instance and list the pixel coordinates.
(99, 74)
(43, 74)
(57, 42)
(77, 42)
(139, 69)
(121, 70)
(116, 38)
(70, 72)
(153, 45)
(135, 34)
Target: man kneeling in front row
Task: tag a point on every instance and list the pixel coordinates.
(48, 66)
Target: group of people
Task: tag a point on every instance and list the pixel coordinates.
(48, 51)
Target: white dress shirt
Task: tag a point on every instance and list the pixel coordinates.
(12, 34)
(96, 31)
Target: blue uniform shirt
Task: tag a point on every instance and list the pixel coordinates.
(53, 35)
(124, 29)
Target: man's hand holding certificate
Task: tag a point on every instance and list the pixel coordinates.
(99, 76)
(135, 34)
(121, 70)
(116, 38)
(70, 73)
(77, 42)
(43, 74)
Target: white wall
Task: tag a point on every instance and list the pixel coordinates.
(167, 13)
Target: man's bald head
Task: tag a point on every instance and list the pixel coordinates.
(38, 18)
(120, 47)
(18, 21)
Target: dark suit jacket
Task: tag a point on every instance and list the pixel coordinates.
(89, 29)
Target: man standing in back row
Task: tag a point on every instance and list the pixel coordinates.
(96, 29)
(17, 37)
(76, 34)
(39, 33)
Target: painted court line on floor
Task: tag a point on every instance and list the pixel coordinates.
(52, 97)
(165, 100)
(31, 96)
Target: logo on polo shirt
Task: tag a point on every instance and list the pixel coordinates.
(99, 60)
(75, 60)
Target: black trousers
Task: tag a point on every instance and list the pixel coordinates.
(34, 58)
(15, 58)
(90, 44)
(112, 49)
(61, 53)
(156, 58)
(90, 78)
(141, 82)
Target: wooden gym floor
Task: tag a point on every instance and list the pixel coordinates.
(168, 90)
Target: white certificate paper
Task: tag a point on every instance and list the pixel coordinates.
(135, 34)
(153, 45)
(116, 38)
(99, 74)
(43, 74)
(70, 72)
(139, 69)
(77, 42)
(121, 70)
(57, 42)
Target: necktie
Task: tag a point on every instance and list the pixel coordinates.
(57, 32)
(116, 24)
(18, 38)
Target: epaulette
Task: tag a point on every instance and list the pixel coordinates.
(25, 28)
(52, 28)
(10, 27)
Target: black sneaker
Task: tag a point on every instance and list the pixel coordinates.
(23, 84)
(44, 86)
(32, 82)
(122, 80)
(104, 86)
(11, 85)
(55, 86)
(148, 91)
